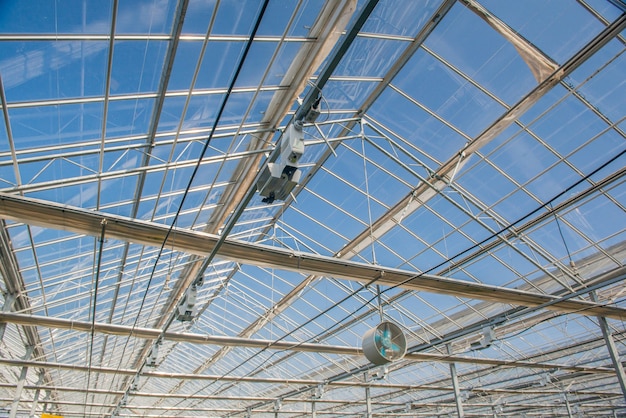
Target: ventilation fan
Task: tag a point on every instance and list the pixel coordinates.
(384, 343)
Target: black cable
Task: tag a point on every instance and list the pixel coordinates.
(199, 161)
(474, 246)
(558, 225)
(204, 149)
(377, 296)
(261, 351)
(504, 229)
(324, 75)
(511, 225)
(370, 301)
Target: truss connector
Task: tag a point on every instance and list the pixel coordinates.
(412, 197)
(153, 358)
(314, 111)
(186, 308)
(29, 352)
(458, 164)
(278, 403)
(135, 386)
(9, 299)
(487, 336)
(319, 390)
(379, 373)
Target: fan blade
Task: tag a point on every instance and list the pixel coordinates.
(395, 350)
(378, 337)
(386, 337)
(387, 331)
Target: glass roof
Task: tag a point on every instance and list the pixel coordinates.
(168, 250)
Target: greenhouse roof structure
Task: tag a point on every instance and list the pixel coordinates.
(341, 208)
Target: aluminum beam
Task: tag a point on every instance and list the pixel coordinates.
(613, 351)
(325, 31)
(193, 338)
(20, 384)
(321, 401)
(368, 402)
(455, 386)
(296, 382)
(52, 215)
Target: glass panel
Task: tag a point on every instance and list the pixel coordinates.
(436, 140)
(236, 17)
(468, 43)
(144, 16)
(523, 158)
(53, 70)
(557, 28)
(253, 73)
(137, 66)
(388, 18)
(184, 65)
(69, 16)
(198, 17)
(447, 94)
(129, 118)
(56, 125)
(218, 64)
(370, 57)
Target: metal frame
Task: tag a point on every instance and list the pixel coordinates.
(263, 263)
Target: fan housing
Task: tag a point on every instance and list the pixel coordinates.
(384, 343)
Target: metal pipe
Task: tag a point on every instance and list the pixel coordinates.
(610, 345)
(153, 334)
(52, 215)
(455, 386)
(337, 401)
(20, 384)
(368, 401)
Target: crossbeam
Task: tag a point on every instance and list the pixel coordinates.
(52, 215)
(221, 340)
